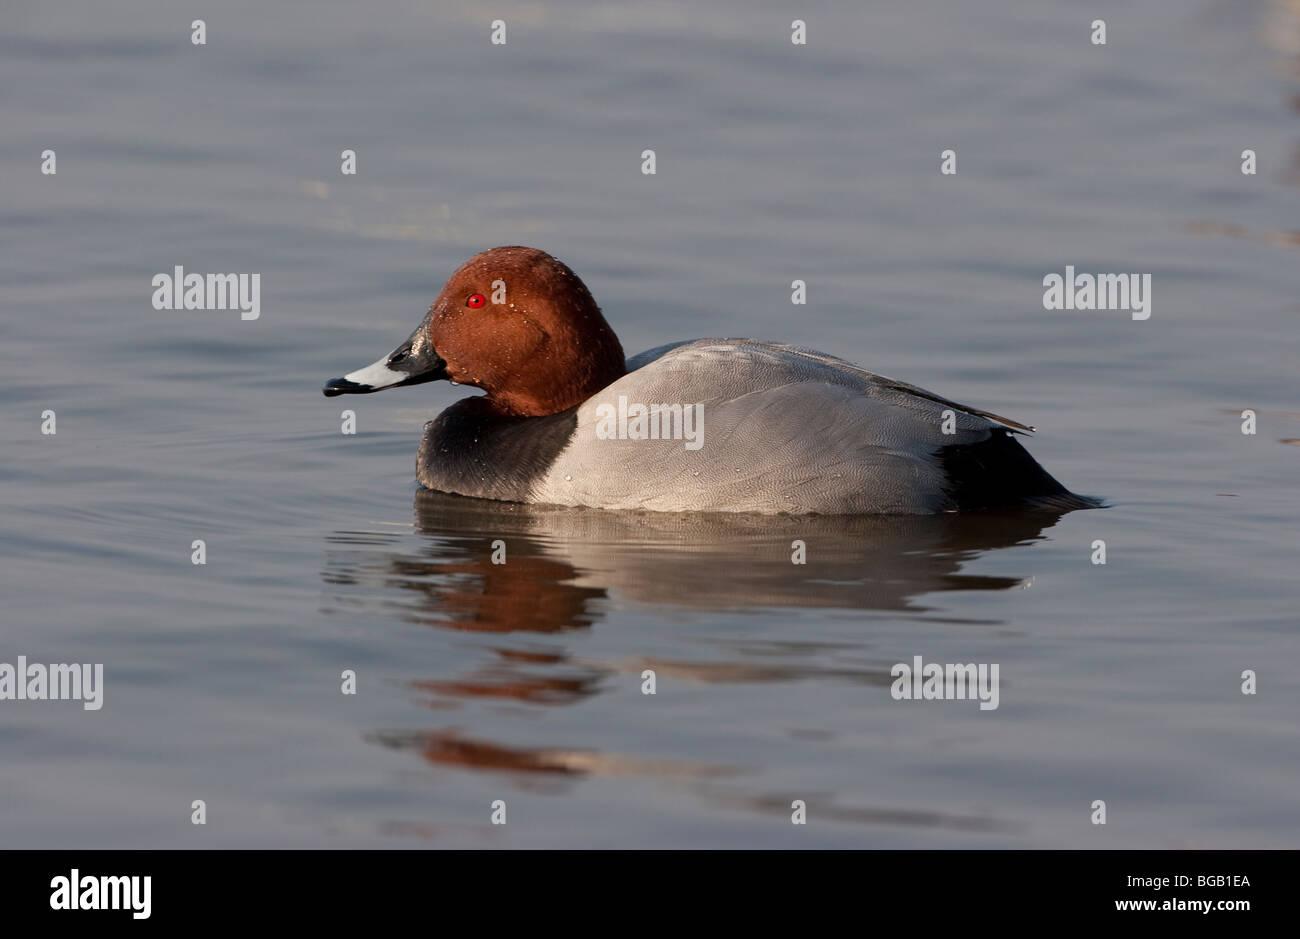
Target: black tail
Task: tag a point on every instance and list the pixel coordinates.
(999, 473)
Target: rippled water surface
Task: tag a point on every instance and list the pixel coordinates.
(522, 681)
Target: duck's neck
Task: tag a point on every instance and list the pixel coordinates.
(599, 363)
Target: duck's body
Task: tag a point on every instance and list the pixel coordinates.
(780, 429)
(721, 425)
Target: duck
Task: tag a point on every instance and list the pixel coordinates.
(703, 425)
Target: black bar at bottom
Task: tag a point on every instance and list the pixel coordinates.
(582, 889)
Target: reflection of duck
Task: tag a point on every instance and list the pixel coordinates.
(721, 561)
(557, 769)
(564, 566)
(560, 561)
(452, 748)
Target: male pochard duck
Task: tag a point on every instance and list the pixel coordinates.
(722, 425)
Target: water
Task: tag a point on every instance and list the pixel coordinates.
(522, 682)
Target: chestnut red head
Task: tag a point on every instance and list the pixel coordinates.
(513, 321)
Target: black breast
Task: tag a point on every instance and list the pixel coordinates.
(471, 450)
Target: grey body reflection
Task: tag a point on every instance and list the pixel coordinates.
(560, 560)
(564, 565)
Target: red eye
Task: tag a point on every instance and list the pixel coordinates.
(475, 301)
